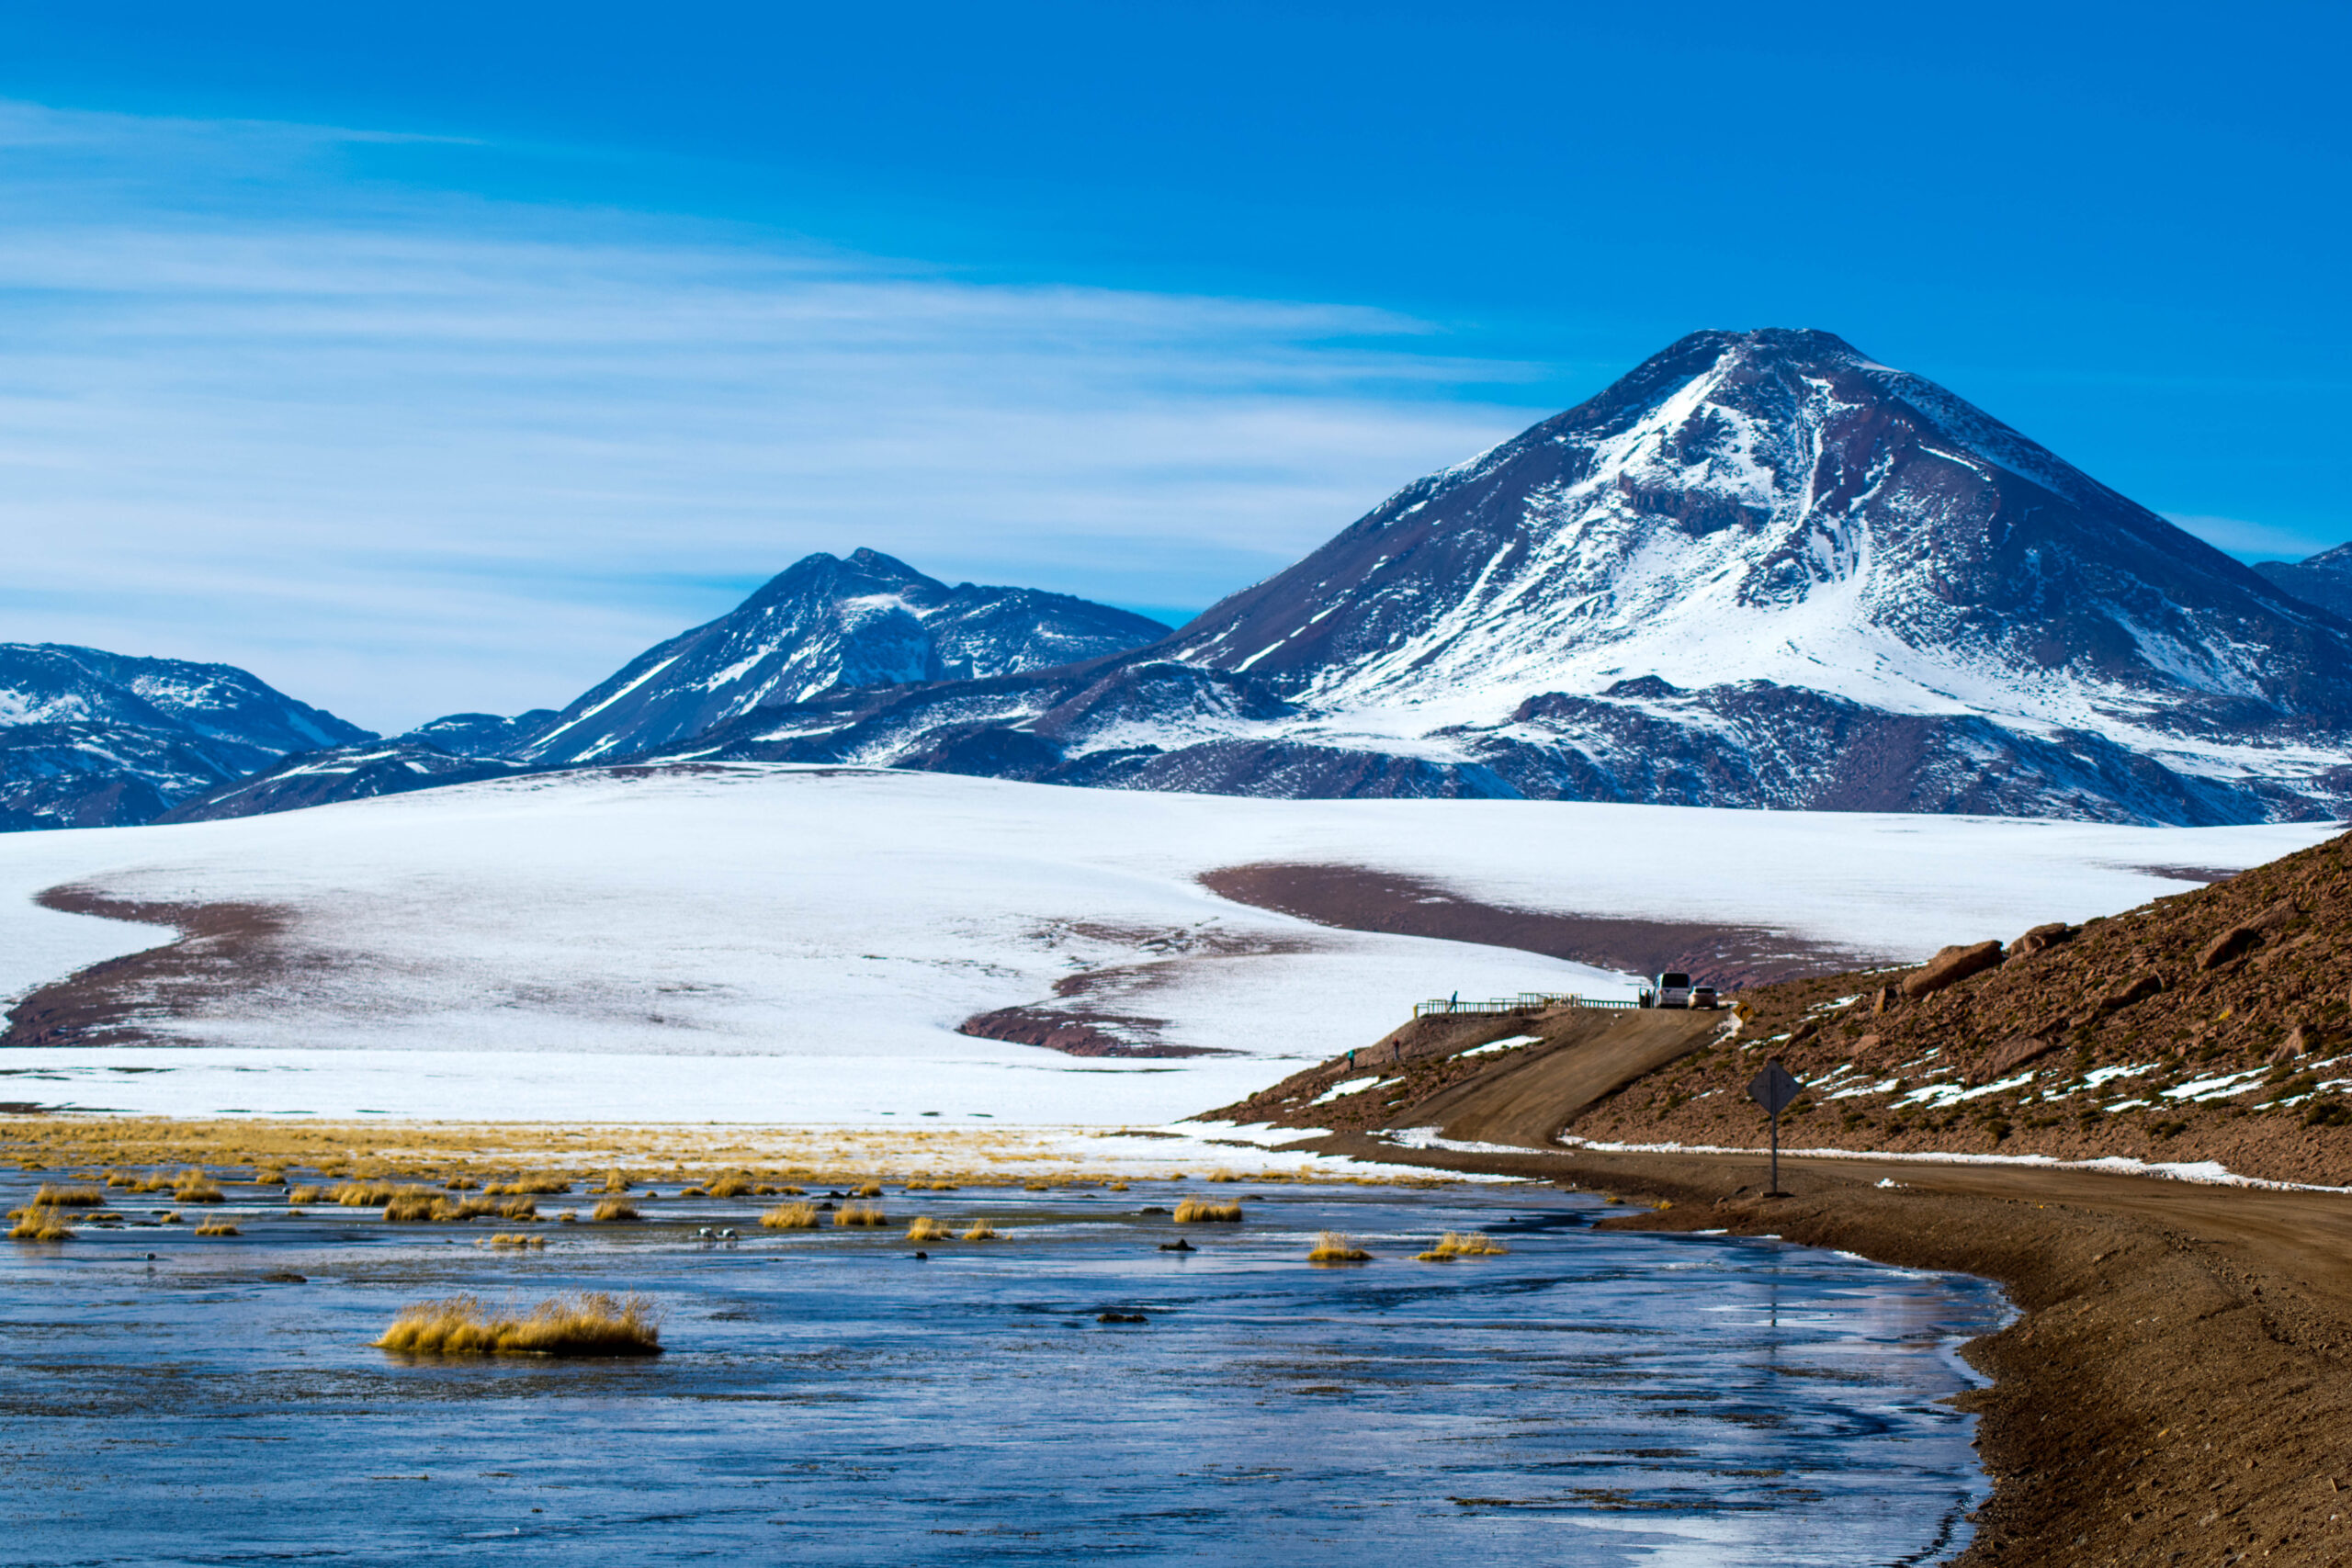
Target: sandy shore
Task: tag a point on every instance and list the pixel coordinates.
(2175, 1389)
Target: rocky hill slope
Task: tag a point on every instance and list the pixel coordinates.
(2214, 1025)
(2324, 579)
(1760, 570)
(93, 740)
(824, 626)
(826, 629)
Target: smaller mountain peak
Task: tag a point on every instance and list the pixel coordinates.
(880, 565)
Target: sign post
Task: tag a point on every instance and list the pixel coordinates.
(1773, 1090)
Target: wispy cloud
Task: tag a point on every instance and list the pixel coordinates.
(403, 451)
(2253, 541)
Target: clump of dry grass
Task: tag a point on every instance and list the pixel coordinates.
(730, 1184)
(614, 1181)
(130, 1183)
(39, 1223)
(511, 1238)
(168, 1217)
(270, 1176)
(68, 1198)
(1115, 1187)
(866, 1189)
(614, 1209)
(304, 1194)
(421, 1205)
(689, 1192)
(1198, 1210)
(216, 1227)
(366, 1194)
(790, 1217)
(979, 1230)
(860, 1215)
(589, 1323)
(1222, 1176)
(925, 1228)
(461, 1184)
(1457, 1244)
(1330, 1246)
(192, 1186)
(529, 1187)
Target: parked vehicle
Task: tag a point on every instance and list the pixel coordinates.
(1703, 997)
(1673, 991)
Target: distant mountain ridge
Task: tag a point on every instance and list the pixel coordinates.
(2324, 579)
(1762, 569)
(828, 625)
(824, 627)
(94, 740)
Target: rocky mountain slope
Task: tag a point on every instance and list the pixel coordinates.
(2324, 579)
(823, 630)
(91, 739)
(824, 626)
(2208, 1026)
(1762, 570)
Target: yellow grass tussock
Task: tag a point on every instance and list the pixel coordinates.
(925, 1228)
(790, 1217)
(589, 1323)
(866, 1189)
(1197, 1210)
(461, 1184)
(216, 1227)
(529, 1187)
(1330, 1246)
(68, 1198)
(37, 1224)
(860, 1215)
(305, 1194)
(614, 1181)
(365, 1194)
(614, 1209)
(194, 1187)
(511, 1238)
(730, 1184)
(1457, 1244)
(979, 1230)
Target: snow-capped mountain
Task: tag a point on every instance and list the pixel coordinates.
(824, 626)
(2324, 579)
(1761, 569)
(90, 738)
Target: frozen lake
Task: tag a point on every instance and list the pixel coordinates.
(1589, 1397)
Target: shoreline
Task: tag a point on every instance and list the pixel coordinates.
(2173, 1388)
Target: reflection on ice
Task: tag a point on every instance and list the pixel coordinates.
(1587, 1398)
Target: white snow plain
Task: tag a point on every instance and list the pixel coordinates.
(771, 943)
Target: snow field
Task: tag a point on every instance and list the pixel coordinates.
(766, 944)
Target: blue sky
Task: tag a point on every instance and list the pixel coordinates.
(437, 356)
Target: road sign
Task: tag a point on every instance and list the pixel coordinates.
(1774, 1090)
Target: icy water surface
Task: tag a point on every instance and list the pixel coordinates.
(1589, 1398)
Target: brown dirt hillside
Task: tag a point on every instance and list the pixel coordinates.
(2210, 1026)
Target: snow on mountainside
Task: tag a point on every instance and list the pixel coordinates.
(1761, 569)
(827, 625)
(90, 738)
(2324, 579)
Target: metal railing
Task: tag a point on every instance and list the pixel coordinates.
(1526, 1001)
